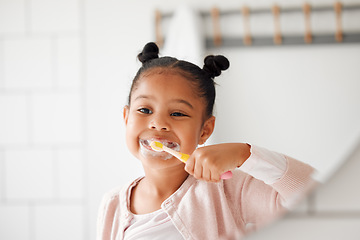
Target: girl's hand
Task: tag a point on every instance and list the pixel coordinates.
(208, 163)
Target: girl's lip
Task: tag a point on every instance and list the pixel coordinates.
(165, 142)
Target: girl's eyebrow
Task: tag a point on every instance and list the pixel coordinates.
(142, 96)
(183, 101)
(177, 100)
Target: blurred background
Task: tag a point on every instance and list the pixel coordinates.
(65, 71)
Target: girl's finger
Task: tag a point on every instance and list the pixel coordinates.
(198, 170)
(215, 177)
(206, 174)
(189, 166)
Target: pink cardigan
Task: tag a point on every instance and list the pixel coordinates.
(200, 210)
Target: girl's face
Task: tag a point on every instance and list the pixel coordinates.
(164, 107)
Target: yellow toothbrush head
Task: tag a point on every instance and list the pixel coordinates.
(157, 146)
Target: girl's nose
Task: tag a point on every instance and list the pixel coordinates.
(159, 124)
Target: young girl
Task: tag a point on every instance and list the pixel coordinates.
(171, 101)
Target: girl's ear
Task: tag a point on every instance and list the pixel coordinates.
(126, 110)
(207, 130)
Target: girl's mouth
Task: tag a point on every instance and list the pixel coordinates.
(173, 145)
(147, 151)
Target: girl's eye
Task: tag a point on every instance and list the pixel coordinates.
(145, 110)
(178, 114)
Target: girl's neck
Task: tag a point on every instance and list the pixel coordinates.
(154, 189)
(164, 185)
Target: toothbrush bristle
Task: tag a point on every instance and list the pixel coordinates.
(156, 146)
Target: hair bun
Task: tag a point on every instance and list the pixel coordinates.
(149, 52)
(213, 65)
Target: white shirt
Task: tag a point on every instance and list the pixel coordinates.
(155, 226)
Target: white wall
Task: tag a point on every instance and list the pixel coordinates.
(65, 70)
(302, 101)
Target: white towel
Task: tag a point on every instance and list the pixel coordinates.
(185, 38)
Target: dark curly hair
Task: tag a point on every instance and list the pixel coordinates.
(203, 78)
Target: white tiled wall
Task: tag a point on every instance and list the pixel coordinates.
(62, 88)
(71, 173)
(68, 71)
(29, 174)
(56, 118)
(53, 16)
(28, 63)
(43, 170)
(14, 125)
(12, 16)
(15, 221)
(2, 173)
(59, 222)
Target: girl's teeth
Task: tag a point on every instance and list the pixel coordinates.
(168, 144)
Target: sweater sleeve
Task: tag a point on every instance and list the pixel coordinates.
(275, 183)
(108, 216)
(264, 165)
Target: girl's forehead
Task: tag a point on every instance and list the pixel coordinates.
(171, 80)
(166, 85)
(167, 72)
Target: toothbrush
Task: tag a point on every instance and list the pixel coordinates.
(159, 147)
